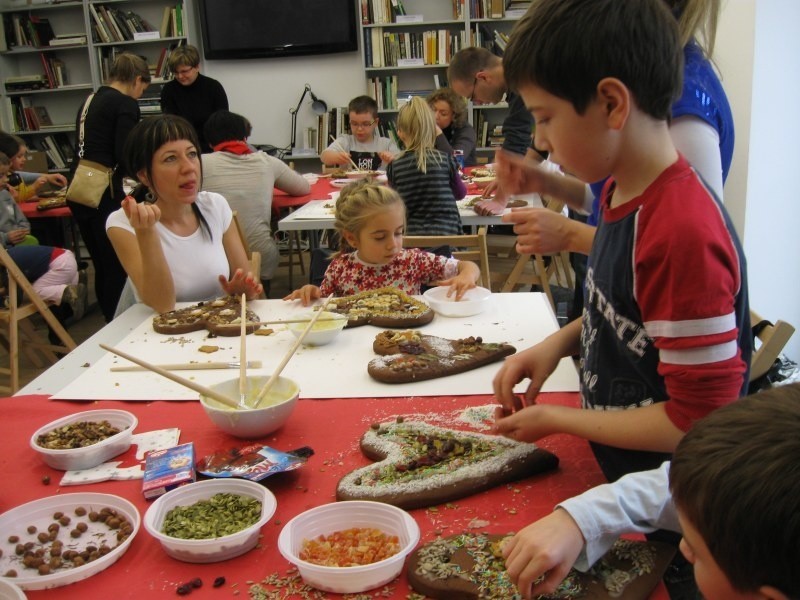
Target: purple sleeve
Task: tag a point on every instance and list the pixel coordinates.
(456, 183)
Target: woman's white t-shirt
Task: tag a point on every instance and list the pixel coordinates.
(196, 261)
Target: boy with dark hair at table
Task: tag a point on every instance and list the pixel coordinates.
(665, 336)
(731, 490)
(364, 146)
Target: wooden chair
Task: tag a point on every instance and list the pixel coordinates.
(513, 271)
(467, 247)
(19, 333)
(294, 255)
(253, 255)
(770, 339)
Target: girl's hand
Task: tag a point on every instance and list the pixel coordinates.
(15, 236)
(242, 283)
(458, 285)
(305, 294)
(142, 215)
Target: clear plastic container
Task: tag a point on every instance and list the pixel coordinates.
(329, 518)
(215, 549)
(90, 456)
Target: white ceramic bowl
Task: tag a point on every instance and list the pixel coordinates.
(90, 456)
(473, 302)
(252, 423)
(329, 518)
(216, 549)
(323, 332)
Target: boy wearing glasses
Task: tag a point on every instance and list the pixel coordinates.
(365, 147)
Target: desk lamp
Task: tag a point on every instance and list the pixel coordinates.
(319, 107)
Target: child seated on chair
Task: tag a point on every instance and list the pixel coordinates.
(370, 220)
(364, 147)
(53, 272)
(23, 185)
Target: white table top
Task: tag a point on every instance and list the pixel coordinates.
(338, 370)
(318, 214)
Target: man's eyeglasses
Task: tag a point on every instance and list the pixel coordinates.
(186, 71)
(362, 125)
(474, 89)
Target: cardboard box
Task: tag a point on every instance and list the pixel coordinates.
(37, 162)
(164, 470)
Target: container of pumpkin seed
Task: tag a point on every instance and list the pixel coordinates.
(84, 440)
(210, 521)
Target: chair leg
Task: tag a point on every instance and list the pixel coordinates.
(541, 271)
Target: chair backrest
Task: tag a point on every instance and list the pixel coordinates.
(466, 247)
(252, 255)
(772, 339)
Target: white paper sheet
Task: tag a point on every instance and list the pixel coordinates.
(338, 370)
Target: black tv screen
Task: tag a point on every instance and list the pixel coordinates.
(267, 28)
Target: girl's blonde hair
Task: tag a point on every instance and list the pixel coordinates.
(697, 19)
(357, 203)
(418, 125)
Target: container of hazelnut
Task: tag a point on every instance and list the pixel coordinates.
(84, 440)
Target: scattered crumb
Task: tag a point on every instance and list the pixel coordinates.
(208, 349)
(264, 331)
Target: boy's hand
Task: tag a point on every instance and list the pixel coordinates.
(528, 424)
(516, 175)
(141, 215)
(386, 157)
(15, 236)
(536, 363)
(343, 158)
(490, 207)
(242, 283)
(549, 547)
(305, 294)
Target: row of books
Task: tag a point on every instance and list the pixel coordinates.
(20, 29)
(58, 148)
(113, 25)
(384, 91)
(487, 135)
(392, 48)
(54, 70)
(172, 21)
(491, 39)
(160, 70)
(27, 117)
(381, 11)
(498, 9)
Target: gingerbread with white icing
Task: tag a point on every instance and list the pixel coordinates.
(423, 465)
(222, 316)
(383, 307)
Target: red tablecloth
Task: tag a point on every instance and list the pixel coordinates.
(331, 427)
(31, 211)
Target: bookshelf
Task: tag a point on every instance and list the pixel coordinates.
(407, 45)
(53, 53)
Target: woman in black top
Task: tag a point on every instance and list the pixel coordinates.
(191, 94)
(112, 113)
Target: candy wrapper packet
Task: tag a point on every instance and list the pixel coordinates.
(254, 462)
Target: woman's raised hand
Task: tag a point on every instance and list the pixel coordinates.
(142, 215)
(242, 283)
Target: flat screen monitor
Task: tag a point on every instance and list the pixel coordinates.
(234, 29)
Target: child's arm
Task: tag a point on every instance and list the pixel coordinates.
(467, 278)
(643, 428)
(584, 528)
(338, 153)
(305, 294)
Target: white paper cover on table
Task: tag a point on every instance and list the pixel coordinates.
(39, 513)
(337, 370)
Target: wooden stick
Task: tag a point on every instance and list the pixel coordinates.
(171, 376)
(338, 145)
(251, 364)
(267, 386)
(243, 353)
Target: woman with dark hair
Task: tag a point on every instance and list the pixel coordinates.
(247, 179)
(112, 113)
(453, 132)
(181, 244)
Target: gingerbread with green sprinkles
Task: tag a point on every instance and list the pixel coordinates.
(408, 356)
(422, 465)
(471, 566)
(383, 307)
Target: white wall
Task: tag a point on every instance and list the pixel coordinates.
(763, 86)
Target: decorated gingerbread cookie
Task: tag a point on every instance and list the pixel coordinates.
(408, 356)
(423, 465)
(384, 307)
(470, 566)
(220, 317)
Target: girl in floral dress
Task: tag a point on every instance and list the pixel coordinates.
(370, 220)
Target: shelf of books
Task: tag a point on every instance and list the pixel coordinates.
(53, 52)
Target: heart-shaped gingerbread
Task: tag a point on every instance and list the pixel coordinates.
(220, 317)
